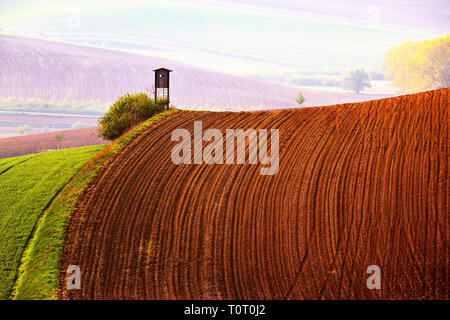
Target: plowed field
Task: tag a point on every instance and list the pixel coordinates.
(358, 184)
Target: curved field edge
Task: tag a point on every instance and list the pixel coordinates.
(40, 265)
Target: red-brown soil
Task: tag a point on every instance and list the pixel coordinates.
(359, 184)
(34, 143)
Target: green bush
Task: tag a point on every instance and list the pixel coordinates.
(128, 111)
(300, 98)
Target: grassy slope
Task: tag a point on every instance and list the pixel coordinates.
(27, 185)
(38, 274)
(8, 163)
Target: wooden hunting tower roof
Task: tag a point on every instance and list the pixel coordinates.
(163, 69)
(162, 77)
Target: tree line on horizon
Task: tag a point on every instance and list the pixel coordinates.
(412, 66)
(420, 65)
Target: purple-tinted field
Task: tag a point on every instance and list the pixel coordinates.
(6, 132)
(34, 143)
(52, 70)
(46, 119)
(41, 122)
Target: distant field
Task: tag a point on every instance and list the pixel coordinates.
(33, 68)
(28, 184)
(34, 143)
(38, 122)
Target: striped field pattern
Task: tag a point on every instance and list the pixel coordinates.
(359, 184)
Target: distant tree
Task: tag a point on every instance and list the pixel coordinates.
(357, 80)
(23, 129)
(300, 98)
(58, 140)
(36, 148)
(78, 125)
(421, 65)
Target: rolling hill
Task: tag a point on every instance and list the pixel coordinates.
(358, 184)
(33, 68)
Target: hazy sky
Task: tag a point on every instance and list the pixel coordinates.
(239, 36)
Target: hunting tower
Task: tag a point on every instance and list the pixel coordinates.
(162, 76)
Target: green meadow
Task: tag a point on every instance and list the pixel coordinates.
(28, 185)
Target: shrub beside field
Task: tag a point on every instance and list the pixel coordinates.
(40, 265)
(28, 185)
(128, 111)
